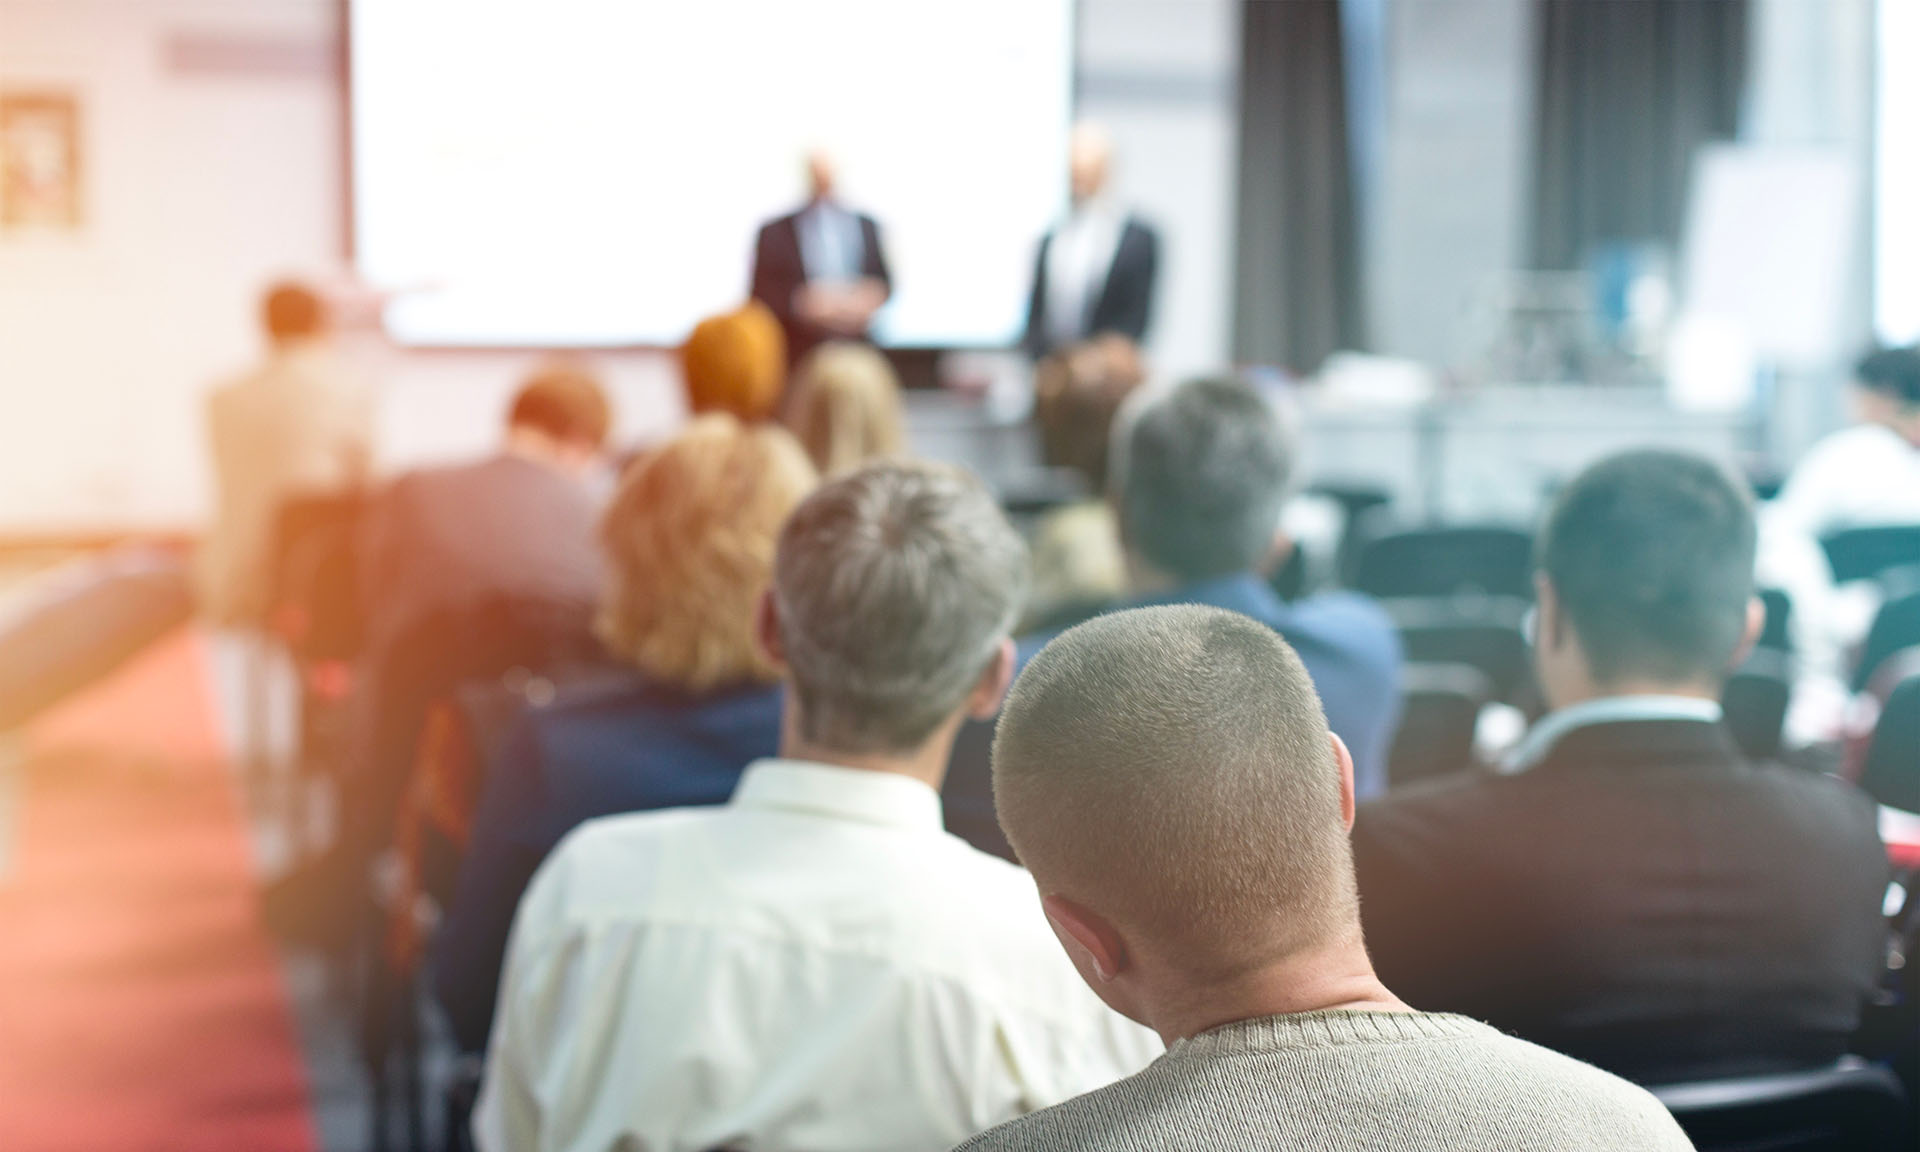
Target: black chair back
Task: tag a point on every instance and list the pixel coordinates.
(1485, 633)
(1891, 774)
(1850, 1107)
(1896, 626)
(1440, 708)
(1863, 553)
(1777, 633)
(1487, 561)
(1754, 701)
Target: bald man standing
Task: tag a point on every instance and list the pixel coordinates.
(1095, 272)
(822, 269)
(1168, 778)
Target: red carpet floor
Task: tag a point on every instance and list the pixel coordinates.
(141, 1003)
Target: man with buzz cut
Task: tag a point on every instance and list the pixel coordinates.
(817, 965)
(1168, 776)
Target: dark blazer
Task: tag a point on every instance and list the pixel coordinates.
(1124, 305)
(1642, 899)
(597, 750)
(779, 271)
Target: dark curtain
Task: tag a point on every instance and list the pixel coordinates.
(1626, 92)
(1297, 277)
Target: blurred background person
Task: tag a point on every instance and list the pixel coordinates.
(1868, 474)
(689, 542)
(1078, 562)
(1635, 892)
(299, 424)
(846, 408)
(821, 269)
(519, 522)
(736, 362)
(1096, 271)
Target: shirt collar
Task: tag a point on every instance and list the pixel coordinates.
(857, 794)
(1555, 726)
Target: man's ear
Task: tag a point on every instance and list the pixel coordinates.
(1343, 759)
(766, 630)
(991, 689)
(1756, 624)
(1093, 945)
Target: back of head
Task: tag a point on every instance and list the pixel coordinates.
(1202, 479)
(846, 407)
(689, 539)
(1892, 372)
(1171, 769)
(564, 400)
(896, 585)
(1077, 393)
(736, 363)
(290, 312)
(1651, 557)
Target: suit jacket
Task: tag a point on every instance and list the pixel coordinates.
(779, 270)
(1123, 305)
(601, 749)
(1347, 643)
(1642, 899)
(444, 538)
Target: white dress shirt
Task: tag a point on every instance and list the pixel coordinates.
(816, 966)
(1554, 726)
(832, 247)
(1079, 260)
(1857, 477)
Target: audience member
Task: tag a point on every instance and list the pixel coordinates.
(846, 407)
(1199, 483)
(1636, 894)
(299, 424)
(1868, 474)
(689, 540)
(1094, 273)
(1078, 563)
(817, 964)
(736, 362)
(519, 522)
(822, 268)
(1169, 777)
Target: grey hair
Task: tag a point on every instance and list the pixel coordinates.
(1203, 477)
(895, 585)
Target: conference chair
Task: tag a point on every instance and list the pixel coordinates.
(1891, 772)
(1864, 553)
(1463, 561)
(1483, 632)
(1754, 701)
(1361, 505)
(1440, 709)
(1896, 626)
(1777, 634)
(1852, 1106)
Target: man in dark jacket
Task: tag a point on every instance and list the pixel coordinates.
(1631, 891)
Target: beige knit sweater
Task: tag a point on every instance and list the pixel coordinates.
(1352, 1080)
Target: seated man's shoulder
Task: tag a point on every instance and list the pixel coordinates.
(1591, 1107)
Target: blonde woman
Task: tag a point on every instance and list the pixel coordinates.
(846, 407)
(689, 541)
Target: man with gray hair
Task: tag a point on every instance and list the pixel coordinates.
(1168, 776)
(818, 964)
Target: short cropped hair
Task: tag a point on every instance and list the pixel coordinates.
(1651, 556)
(1893, 372)
(292, 311)
(737, 363)
(1203, 477)
(689, 539)
(564, 399)
(896, 585)
(846, 407)
(1077, 393)
(1171, 769)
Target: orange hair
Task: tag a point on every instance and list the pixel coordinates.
(737, 363)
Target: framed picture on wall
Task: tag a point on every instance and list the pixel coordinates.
(40, 162)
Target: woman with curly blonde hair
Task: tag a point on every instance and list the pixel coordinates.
(689, 540)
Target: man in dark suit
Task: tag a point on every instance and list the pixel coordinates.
(1632, 892)
(822, 269)
(1095, 272)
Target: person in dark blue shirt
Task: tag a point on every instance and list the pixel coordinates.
(689, 540)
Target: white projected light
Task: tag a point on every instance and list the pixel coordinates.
(586, 172)
(1896, 193)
